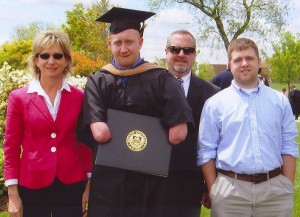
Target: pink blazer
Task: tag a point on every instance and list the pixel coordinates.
(37, 149)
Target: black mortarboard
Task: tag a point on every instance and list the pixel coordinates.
(123, 18)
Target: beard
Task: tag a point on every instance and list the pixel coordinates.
(180, 68)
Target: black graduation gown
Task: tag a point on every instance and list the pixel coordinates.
(119, 193)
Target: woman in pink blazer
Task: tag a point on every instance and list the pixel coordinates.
(46, 168)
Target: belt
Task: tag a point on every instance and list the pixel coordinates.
(254, 178)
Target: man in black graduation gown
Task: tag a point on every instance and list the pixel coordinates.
(185, 176)
(130, 84)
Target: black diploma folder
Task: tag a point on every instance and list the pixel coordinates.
(139, 143)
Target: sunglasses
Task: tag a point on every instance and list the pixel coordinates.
(177, 50)
(56, 56)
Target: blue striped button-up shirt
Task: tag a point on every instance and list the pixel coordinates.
(247, 132)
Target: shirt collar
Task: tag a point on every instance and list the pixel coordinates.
(244, 90)
(35, 87)
(186, 78)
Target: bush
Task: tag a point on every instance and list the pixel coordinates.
(84, 66)
(16, 53)
(10, 79)
(2, 187)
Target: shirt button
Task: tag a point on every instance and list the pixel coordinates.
(53, 135)
(53, 149)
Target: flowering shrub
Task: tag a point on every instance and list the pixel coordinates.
(2, 186)
(77, 81)
(11, 79)
(84, 66)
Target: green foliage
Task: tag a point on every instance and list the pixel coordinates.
(84, 66)
(285, 62)
(160, 62)
(205, 71)
(2, 186)
(9, 80)
(87, 36)
(16, 53)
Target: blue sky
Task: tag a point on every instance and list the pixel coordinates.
(14, 13)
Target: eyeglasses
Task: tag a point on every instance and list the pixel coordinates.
(177, 50)
(56, 56)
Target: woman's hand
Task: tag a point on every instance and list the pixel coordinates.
(85, 198)
(15, 207)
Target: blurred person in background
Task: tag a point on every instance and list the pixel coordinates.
(223, 79)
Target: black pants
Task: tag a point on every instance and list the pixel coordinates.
(120, 193)
(56, 200)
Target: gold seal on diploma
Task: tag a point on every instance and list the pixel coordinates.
(136, 140)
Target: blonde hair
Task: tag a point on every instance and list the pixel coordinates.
(242, 44)
(44, 40)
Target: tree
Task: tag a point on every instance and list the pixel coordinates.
(225, 20)
(285, 62)
(160, 62)
(84, 66)
(205, 71)
(16, 53)
(87, 36)
(29, 32)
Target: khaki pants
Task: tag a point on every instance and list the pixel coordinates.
(235, 198)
